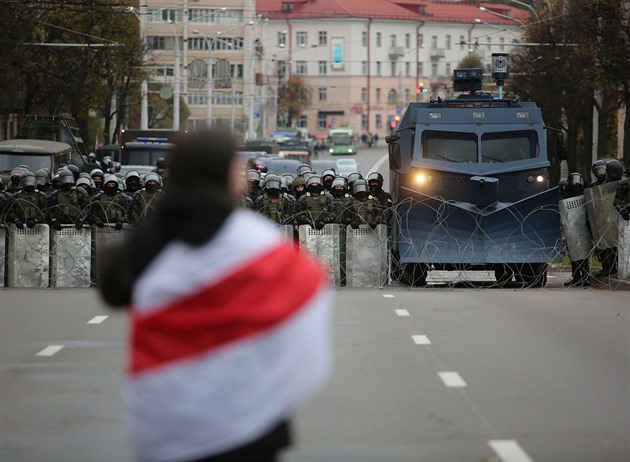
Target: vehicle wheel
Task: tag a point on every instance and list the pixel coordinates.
(503, 274)
(532, 274)
(414, 274)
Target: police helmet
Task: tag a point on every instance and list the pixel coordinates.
(85, 181)
(360, 186)
(272, 182)
(329, 172)
(307, 175)
(132, 174)
(314, 180)
(340, 181)
(97, 172)
(160, 163)
(152, 177)
(563, 185)
(352, 177)
(599, 169)
(28, 179)
(614, 170)
(18, 172)
(41, 177)
(304, 168)
(66, 177)
(75, 171)
(252, 176)
(576, 182)
(375, 176)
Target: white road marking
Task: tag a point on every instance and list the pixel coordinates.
(97, 319)
(509, 451)
(402, 312)
(452, 379)
(421, 340)
(378, 163)
(388, 296)
(50, 350)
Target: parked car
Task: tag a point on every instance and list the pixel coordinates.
(347, 166)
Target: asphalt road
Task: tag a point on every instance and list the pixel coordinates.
(430, 374)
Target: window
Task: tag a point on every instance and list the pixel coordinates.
(282, 39)
(364, 121)
(323, 67)
(434, 70)
(197, 99)
(379, 121)
(392, 97)
(157, 42)
(502, 41)
(363, 67)
(237, 71)
(420, 40)
(301, 67)
(302, 122)
(407, 69)
(321, 121)
(420, 69)
(488, 41)
(434, 41)
(282, 69)
(407, 95)
(363, 38)
(379, 39)
(407, 40)
(392, 68)
(301, 39)
(448, 42)
(448, 68)
(378, 68)
(323, 37)
(509, 146)
(214, 16)
(163, 15)
(364, 94)
(449, 146)
(392, 40)
(322, 94)
(462, 39)
(378, 95)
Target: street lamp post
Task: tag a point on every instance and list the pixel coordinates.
(486, 10)
(176, 93)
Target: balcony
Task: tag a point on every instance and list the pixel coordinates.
(437, 53)
(396, 52)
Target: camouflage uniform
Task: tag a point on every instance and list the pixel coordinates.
(27, 205)
(316, 207)
(109, 206)
(144, 201)
(365, 209)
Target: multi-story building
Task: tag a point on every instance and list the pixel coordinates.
(363, 62)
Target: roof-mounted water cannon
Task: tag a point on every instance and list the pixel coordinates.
(468, 80)
(500, 70)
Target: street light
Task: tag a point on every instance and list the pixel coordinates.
(486, 10)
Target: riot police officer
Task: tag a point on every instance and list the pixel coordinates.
(375, 185)
(580, 269)
(132, 182)
(27, 205)
(614, 172)
(298, 187)
(622, 198)
(599, 172)
(42, 177)
(109, 206)
(97, 176)
(315, 208)
(303, 168)
(272, 203)
(365, 208)
(253, 184)
(341, 200)
(328, 176)
(144, 201)
(67, 205)
(15, 180)
(352, 177)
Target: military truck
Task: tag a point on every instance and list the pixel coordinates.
(470, 179)
(35, 154)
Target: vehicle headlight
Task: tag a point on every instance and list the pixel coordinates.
(350, 150)
(423, 178)
(535, 179)
(330, 150)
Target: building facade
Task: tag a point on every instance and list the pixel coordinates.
(362, 62)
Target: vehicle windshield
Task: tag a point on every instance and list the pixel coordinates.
(34, 162)
(341, 139)
(142, 156)
(496, 147)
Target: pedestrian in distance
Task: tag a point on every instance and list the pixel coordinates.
(230, 324)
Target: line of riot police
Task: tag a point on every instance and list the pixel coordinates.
(307, 198)
(69, 197)
(589, 218)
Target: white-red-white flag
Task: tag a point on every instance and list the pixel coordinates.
(228, 339)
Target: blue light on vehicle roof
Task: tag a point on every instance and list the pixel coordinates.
(155, 140)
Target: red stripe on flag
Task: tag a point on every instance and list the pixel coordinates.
(256, 297)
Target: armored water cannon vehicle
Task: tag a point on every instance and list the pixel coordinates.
(470, 179)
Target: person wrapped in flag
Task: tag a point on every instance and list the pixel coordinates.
(230, 324)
